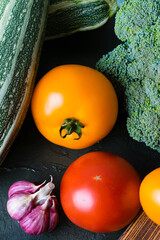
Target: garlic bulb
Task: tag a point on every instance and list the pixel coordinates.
(33, 206)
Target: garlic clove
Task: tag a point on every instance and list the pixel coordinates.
(23, 186)
(36, 222)
(53, 215)
(33, 206)
(42, 195)
(19, 205)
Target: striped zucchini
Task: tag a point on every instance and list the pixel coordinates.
(21, 31)
(67, 16)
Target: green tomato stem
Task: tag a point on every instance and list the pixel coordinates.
(71, 125)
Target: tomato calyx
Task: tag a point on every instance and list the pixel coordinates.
(71, 125)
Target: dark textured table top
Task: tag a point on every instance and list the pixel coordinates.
(33, 158)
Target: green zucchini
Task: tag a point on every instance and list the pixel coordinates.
(22, 25)
(67, 16)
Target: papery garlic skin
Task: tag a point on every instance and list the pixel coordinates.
(19, 205)
(23, 186)
(36, 222)
(53, 215)
(34, 206)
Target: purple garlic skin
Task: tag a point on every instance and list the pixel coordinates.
(19, 205)
(53, 215)
(36, 222)
(23, 186)
(33, 206)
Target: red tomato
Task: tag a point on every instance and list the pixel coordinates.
(100, 192)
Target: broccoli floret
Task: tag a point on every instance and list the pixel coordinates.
(134, 68)
(118, 59)
(145, 127)
(135, 15)
(146, 43)
(146, 49)
(143, 122)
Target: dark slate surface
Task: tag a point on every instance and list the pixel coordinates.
(33, 158)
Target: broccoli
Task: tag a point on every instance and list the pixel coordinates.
(134, 68)
(133, 16)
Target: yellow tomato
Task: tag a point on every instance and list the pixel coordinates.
(150, 195)
(74, 106)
